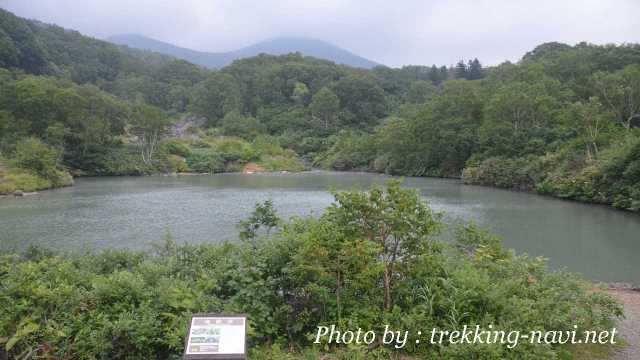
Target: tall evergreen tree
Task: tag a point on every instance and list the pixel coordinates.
(474, 70)
(434, 75)
(460, 71)
(444, 73)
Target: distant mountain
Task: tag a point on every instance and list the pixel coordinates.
(276, 46)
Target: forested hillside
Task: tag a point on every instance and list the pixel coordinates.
(562, 121)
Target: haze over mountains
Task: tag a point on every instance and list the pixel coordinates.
(276, 46)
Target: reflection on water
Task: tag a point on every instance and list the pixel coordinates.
(599, 242)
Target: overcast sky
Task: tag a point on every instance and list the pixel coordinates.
(391, 32)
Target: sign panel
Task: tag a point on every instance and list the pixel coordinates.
(216, 337)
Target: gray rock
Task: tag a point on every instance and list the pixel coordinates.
(181, 128)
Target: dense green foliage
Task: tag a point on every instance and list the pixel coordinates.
(562, 121)
(370, 260)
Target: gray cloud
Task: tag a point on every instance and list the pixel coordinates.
(391, 32)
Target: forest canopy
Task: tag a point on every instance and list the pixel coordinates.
(562, 121)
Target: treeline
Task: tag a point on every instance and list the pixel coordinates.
(109, 110)
(370, 260)
(562, 121)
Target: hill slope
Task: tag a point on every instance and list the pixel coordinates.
(275, 46)
(46, 49)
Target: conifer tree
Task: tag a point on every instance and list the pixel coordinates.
(474, 70)
(460, 71)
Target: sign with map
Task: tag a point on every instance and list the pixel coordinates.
(216, 337)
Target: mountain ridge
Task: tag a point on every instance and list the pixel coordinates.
(273, 46)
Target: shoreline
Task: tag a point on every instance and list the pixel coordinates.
(20, 194)
(529, 191)
(525, 191)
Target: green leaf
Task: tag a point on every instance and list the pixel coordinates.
(11, 343)
(25, 330)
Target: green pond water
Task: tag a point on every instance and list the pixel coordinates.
(133, 212)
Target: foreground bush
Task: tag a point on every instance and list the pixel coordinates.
(370, 260)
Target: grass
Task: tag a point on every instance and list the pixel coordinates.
(12, 180)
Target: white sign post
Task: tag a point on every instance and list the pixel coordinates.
(216, 337)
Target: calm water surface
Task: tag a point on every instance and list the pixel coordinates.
(599, 242)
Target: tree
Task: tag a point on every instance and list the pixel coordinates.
(362, 100)
(148, 124)
(475, 71)
(342, 265)
(351, 151)
(546, 50)
(444, 74)
(215, 97)
(180, 72)
(396, 141)
(434, 75)
(94, 118)
(590, 119)
(325, 106)
(34, 155)
(10, 131)
(396, 220)
(620, 93)
(235, 124)
(420, 91)
(520, 117)
(35, 101)
(20, 46)
(435, 138)
(300, 93)
(263, 216)
(460, 71)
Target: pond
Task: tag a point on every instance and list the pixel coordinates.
(133, 212)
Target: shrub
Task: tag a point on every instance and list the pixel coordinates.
(34, 167)
(234, 149)
(176, 147)
(282, 163)
(350, 151)
(175, 163)
(613, 178)
(236, 124)
(268, 145)
(519, 173)
(205, 161)
(32, 154)
(618, 174)
(22, 180)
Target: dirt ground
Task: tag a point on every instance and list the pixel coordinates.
(629, 328)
